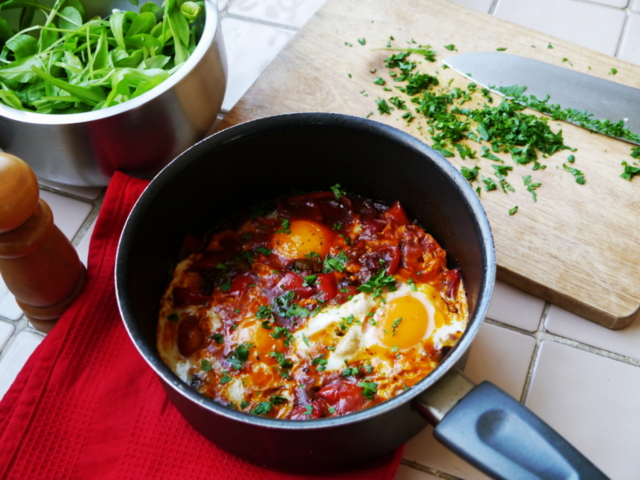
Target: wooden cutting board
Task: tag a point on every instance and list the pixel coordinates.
(578, 245)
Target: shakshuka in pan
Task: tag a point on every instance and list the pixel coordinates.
(313, 305)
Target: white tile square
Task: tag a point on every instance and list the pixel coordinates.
(499, 355)
(8, 306)
(6, 330)
(250, 48)
(90, 193)
(593, 402)
(515, 307)
(19, 351)
(222, 4)
(636, 5)
(68, 214)
(480, 5)
(587, 24)
(565, 324)
(630, 44)
(293, 13)
(612, 3)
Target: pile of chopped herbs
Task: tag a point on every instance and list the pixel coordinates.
(62, 62)
(454, 123)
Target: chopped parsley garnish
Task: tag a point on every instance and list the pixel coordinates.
(362, 41)
(412, 284)
(395, 326)
(285, 227)
(337, 263)
(286, 308)
(305, 339)
(308, 409)
(218, 337)
(383, 106)
(513, 210)
(283, 332)
(310, 280)
(451, 47)
(338, 193)
(264, 250)
(225, 378)
(226, 285)
(239, 356)
(262, 408)
(470, 174)
(277, 400)
(319, 362)
(377, 282)
(531, 186)
(284, 362)
(264, 312)
(173, 317)
(577, 174)
(369, 389)
(379, 81)
(350, 372)
(205, 365)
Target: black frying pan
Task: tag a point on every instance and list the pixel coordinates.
(266, 158)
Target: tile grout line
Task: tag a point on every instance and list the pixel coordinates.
(424, 468)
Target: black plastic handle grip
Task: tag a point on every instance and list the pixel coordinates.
(505, 440)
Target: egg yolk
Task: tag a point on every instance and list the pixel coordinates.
(262, 343)
(404, 322)
(304, 237)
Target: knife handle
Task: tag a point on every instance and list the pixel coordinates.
(38, 263)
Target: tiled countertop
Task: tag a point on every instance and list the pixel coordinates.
(581, 378)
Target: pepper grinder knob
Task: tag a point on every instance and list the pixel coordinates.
(38, 263)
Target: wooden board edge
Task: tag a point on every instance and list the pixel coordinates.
(588, 312)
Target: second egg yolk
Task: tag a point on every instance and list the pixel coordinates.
(303, 238)
(404, 322)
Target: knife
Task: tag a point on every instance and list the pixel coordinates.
(599, 98)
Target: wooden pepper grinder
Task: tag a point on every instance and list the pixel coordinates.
(37, 262)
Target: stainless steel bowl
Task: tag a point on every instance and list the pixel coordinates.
(138, 137)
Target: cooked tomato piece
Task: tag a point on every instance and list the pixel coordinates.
(183, 297)
(327, 286)
(240, 285)
(315, 409)
(302, 207)
(344, 397)
(190, 336)
(293, 281)
(396, 211)
(451, 280)
(346, 293)
(387, 256)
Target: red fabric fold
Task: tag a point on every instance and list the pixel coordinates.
(87, 406)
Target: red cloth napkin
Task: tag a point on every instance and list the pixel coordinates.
(86, 405)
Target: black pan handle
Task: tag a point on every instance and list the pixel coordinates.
(497, 434)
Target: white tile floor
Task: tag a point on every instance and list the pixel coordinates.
(581, 378)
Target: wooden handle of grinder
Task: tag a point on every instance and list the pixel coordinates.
(38, 263)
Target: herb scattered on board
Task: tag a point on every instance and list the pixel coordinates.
(455, 122)
(71, 64)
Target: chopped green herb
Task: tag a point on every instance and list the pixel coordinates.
(264, 250)
(513, 210)
(577, 174)
(337, 263)
(613, 71)
(338, 192)
(205, 365)
(369, 389)
(285, 227)
(377, 282)
(319, 362)
(226, 285)
(173, 317)
(238, 357)
(383, 107)
(225, 378)
(412, 284)
(501, 49)
(262, 408)
(470, 174)
(531, 186)
(362, 41)
(451, 47)
(218, 337)
(379, 81)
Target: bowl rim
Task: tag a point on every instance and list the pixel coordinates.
(301, 120)
(211, 28)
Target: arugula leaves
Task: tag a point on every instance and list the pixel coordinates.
(68, 65)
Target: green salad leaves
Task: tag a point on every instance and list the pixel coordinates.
(61, 62)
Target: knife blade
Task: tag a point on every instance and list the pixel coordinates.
(602, 99)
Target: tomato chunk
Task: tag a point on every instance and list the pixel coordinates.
(183, 297)
(315, 409)
(240, 285)
(344, 397)
(396, 212)
(327, 286)
(190, 336)
(293, 281)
